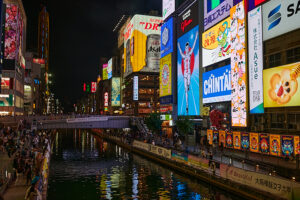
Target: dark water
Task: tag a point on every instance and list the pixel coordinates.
(84, 166)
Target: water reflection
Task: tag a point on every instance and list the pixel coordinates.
(86, 167)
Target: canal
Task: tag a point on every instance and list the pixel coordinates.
(83, 166)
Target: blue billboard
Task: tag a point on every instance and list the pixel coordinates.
(166, 38)
(217, 85)
(188, 73)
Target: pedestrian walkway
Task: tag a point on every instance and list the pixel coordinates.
(16, 191)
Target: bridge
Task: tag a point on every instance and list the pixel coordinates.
(70, 122)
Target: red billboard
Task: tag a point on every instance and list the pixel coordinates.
(94, 87)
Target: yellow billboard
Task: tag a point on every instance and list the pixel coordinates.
(165, 76)
(142, 44)
(281, 86)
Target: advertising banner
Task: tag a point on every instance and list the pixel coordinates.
(168, 8)
(287, 145)
(106, 99)
(94, 87)
(135, 88)
(264, 143)
(280, 187)
(245, 143)
(197, 162)
(238, 66)
(142, 44)
(109, 68)
(210, 136)
(297, 145)
(254, 142)
(105, 72)
(281, 86)
(280, 17)
(116, 91)
(6, 100)
(5, 83)
(141, 145)
(166, 153)
(216, 43)
(255, 48)
(179, 157)
(165, 76)
(236, 140)
(11, 28)
(215, 11)
(187, 19)
(188, 73)
(275, 145)
(229, 139)
(216, 137)
(217, 85)
(253, 3)
(222, 136)
(166, 43)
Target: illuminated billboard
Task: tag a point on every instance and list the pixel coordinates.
(253, 3)
(216, 43)
(255, 49)
(280, 17)
(11, 26)
(238, 66)
(5, 83)
(105, 71)
(215, 11)
(165, 79)
(116, 91)
(166, 38)
(94, 87)
(142, 44)
(106, 99)
(168, 8)
(217, 85)
(6, 100)
(135, 88)
(281, 86)
(188, 62)
(109, 68)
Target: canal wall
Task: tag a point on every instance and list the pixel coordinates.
(243, 183)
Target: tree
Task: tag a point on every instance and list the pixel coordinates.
(184, 126)
(154, 123)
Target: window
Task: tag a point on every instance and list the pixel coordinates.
(275, 60)
(293, 55)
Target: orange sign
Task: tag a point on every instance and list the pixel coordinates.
(210, 136)
(297, 144)
(254, 143)
(237, 140)
(275, 145)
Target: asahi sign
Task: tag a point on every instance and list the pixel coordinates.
(255, 46)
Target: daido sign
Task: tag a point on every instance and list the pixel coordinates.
(280, 17)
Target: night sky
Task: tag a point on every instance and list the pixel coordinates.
(80, 33)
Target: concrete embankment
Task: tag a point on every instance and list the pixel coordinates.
(244, 191)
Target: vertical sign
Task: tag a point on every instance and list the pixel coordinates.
(135, 88)
(255, 46)
(106, 99)
(168, 8)
(188, 61)
(165, 80)
(109, 68)
(115, 91)
(275, 147)
(166, 44)
(238, 66)
(94, 87)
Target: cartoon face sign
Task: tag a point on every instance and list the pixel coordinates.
(287, 148)
(275, 146)
(229, 140)
(283, 87)
(264, 146)
(237, 141)
(245, 143)
(254, 144)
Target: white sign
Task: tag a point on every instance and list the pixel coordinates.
(135, 88)
(280, 17)
(168, 8)
(255, 45)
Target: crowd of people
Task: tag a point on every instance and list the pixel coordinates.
(25, 149)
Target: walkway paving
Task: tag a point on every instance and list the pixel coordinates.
(17, 190)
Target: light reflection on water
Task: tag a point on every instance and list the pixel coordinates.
(86, 167)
